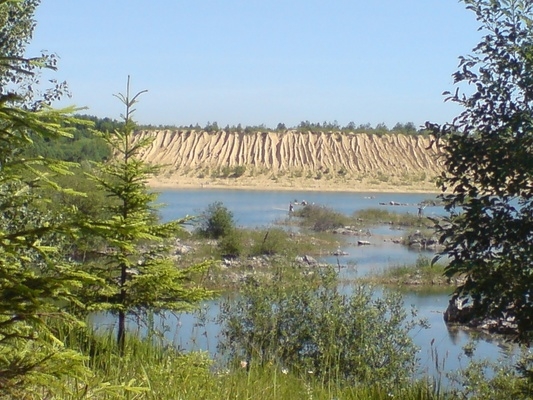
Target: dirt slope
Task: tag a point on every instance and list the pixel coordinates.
(293, 160)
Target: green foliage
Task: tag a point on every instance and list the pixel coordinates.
(215, 222)
(238, 171)
(232, 243)
(84, 144)
(229, 172)
(310, 326)
(272, 241)
(377, 216)
(155, 370)
(140, 275)
(320, 218)
(423, 275)
(489, 168)
(484, 379)
(38, 283)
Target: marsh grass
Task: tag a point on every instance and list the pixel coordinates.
(320, 218)
(376, 216)
(151, 369)
(422, 274)
(264, 241)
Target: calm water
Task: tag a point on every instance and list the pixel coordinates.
(254, 208)
(264, 208)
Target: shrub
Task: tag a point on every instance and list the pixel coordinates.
(215, 222)
(273, 241)
(238, 171)
(311, 327)
(231, 244)
(321, 218)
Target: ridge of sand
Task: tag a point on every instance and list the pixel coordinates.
(292, 160)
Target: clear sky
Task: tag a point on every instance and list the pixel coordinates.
(260, 61)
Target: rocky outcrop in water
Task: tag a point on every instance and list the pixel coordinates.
(460, 312)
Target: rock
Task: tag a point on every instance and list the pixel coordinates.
(458, 311)
(461, 313)
(339, 253)
(310, 260)
(181, 249)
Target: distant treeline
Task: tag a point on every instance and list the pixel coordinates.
(84, 145)
(408, 128)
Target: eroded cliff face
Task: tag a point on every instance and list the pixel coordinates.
(280, 156)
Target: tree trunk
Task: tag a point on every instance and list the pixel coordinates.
(121, 332)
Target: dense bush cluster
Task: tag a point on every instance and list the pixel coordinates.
(321, 218)
(313, 327)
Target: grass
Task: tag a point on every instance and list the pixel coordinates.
(423, 274)
(150, 369)
(266, 241)
(262, 250)
(319, 218)
(153, 369)
(376, 216)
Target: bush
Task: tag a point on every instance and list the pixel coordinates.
(215, 222)
(238, 171)
(274, 241)
(231, 244)
(311, 327)
(320, 218)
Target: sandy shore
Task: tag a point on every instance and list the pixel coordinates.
(302, 184)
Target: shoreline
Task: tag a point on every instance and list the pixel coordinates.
(300, 185)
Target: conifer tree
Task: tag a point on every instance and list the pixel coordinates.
(37, 283)
(141, 276)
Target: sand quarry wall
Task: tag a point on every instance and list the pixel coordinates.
(291, 155)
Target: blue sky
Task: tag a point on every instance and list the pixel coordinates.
(260, 61)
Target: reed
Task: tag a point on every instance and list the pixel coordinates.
(152, 370)
(422, 274)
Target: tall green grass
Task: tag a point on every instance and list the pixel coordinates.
(151, 370)
(376, 216)
(423, 273)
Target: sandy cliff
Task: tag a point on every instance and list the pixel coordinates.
(293, 160)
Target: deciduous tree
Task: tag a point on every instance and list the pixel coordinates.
(488, 156)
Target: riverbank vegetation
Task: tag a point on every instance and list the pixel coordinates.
(423, 275)
(321, 218)
(155, 370)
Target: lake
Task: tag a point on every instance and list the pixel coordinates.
(254, 208)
